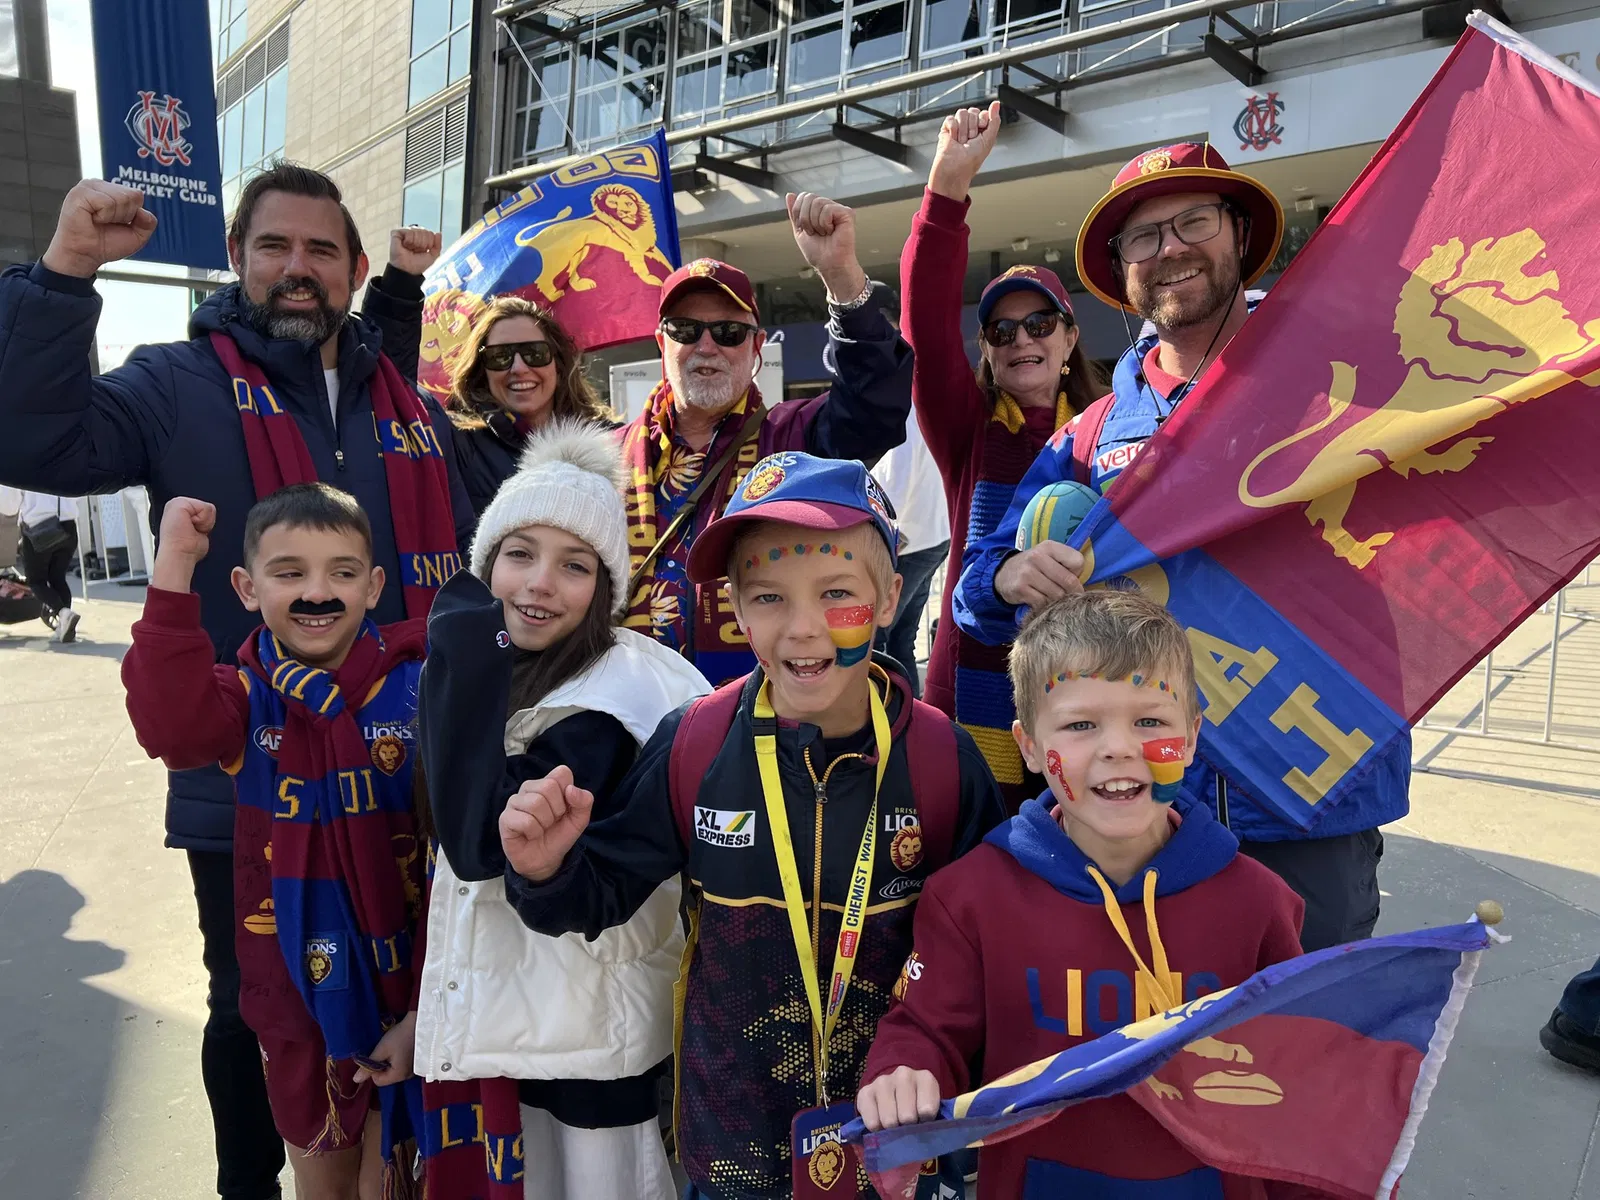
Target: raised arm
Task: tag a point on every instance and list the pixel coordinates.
(62, 429)
(951, 407)
(394, 300)
(864, 413)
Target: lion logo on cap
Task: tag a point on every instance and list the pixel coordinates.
(763, 480)
(1020, 269)
(1156, 160)
(702, 268)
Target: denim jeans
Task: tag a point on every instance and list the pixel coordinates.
(250, 1153)
(899, 641)
(1580, 1003)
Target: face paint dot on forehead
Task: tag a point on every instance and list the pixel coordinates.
(1137, 679)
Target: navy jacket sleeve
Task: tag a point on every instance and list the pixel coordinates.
(982, 807)
(976, 608)
(864, 414)
(461, 510)
(63, 429)
(618, 862)
(394, 304)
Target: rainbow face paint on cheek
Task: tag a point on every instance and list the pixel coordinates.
(1052, 765)
(1164, 757)
(851, 630)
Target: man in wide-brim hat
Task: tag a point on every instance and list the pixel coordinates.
(1176, 241)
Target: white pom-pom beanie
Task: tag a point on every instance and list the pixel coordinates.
(569, 477)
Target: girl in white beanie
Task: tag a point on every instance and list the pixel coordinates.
(562, 1042)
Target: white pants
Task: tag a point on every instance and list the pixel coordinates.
(563, 1162)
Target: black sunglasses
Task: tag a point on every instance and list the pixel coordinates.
(534, 354)
(1039, 325)
(686, 331)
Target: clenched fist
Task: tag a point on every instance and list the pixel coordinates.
(414, 249)
(542, 822)
(965, 139)
(825, 231)
(184, 539)
(100, 222)
(902, 1097)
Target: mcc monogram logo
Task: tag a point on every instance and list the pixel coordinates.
(1257, 125)
(157, 126)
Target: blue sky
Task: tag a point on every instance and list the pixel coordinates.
(134, 313)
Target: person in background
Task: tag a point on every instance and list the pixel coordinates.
(706, 424)
(519, 370)
(910, 478)
(46, 546)
(170, 418)
(983, 431)
(1573, 1032)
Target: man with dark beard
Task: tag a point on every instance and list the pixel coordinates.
(278, 383)
(1176, 241)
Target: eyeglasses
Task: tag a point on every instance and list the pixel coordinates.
(686, 331)
(1191, 227)
(533, 354)
(1039, 325)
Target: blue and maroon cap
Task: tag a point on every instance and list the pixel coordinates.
(1025, 277)
(826, 494)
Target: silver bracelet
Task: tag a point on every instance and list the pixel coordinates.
(851, 305)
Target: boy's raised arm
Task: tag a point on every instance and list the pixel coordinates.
(187, 709)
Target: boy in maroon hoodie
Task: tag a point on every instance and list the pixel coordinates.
(1100, 903)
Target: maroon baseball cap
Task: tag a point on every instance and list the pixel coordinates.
(1024, 278)
(709, 274)
(1185, 167)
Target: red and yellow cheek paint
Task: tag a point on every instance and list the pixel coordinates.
(1052, 766)
(1164, 757)
(851, 630)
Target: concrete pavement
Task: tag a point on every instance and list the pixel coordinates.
(103, 995)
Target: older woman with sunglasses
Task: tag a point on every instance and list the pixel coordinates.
(519, 370)
(983, 430)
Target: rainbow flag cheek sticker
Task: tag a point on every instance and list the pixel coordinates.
(1164, 757)
(851, 630)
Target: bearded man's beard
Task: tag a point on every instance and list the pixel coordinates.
(1169, 311)
(706, 391)
(316, 326)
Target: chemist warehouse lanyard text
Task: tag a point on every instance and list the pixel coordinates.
(855, 907)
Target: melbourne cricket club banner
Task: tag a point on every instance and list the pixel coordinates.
(158, 122)
(591, 242)
(1316, 1071)
(1389, 467)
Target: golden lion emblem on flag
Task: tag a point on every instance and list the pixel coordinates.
(1478, 334)
(621, 220)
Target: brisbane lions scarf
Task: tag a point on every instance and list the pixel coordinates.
(419, 481)
(326, 840)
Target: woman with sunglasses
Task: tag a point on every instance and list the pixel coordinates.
(519, 370)
(983, 429)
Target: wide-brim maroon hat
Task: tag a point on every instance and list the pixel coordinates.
(1185, 167)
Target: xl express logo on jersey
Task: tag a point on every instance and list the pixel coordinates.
(720, 827)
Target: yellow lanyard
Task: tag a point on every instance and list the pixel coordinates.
(855, 906)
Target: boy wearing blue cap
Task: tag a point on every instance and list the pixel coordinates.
(808, 803)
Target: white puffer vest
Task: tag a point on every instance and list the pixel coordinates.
(501, 1001)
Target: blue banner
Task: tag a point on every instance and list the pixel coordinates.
(158, 122)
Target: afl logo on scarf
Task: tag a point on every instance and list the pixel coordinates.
(763, 479)
(325, 965)
(269, 738)
(388, 754)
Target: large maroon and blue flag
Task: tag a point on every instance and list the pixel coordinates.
(1316, 1071)
(591, 242)
(1389, 467)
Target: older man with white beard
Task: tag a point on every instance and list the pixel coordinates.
(707, 424)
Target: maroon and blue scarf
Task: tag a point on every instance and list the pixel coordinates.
(413, 460)
(325, 831)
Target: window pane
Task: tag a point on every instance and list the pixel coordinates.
(751, 72)
(751, 18)
(230, 197)
(232, 139)
(814, 56)
(695, 32)
(430, 22)
(423, 202)
(428, 73)
(597, 115)
(540, 129)
(697, 86)
(550, 83)
(644, 46)
(277, 109)
(450, 213)
(950, 21)
(1013, 11)
(641, 100)
(810, 10)
(253, 104)
(598, 59)
(460, 13)
(877, 36)
(460, 53)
